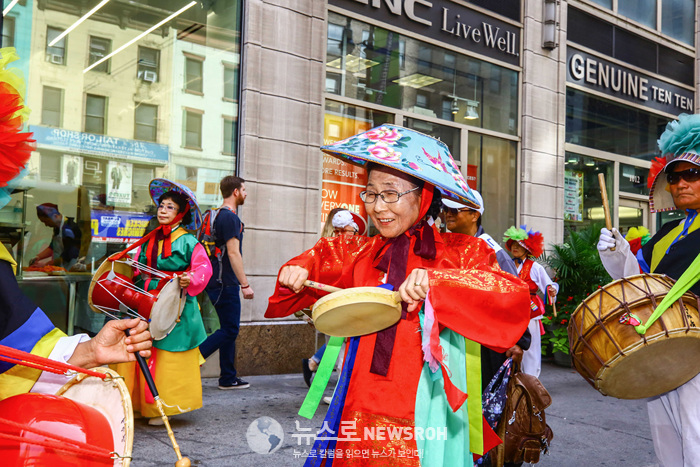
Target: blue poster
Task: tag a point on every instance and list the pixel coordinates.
(117, 226)
(78, 142)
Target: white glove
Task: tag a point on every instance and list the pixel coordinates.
(607, 239)
(621, 262)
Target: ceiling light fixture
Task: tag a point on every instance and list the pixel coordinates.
(75, 25)
(145, 33)
(471, 113)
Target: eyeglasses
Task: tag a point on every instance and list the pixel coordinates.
(689, 175)
(455, 211)
(388, 196)
(167, 207)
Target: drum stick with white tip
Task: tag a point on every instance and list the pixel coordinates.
(181, 461)
(606, 207)
(324, 287)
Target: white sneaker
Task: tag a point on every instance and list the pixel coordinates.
(156, 421)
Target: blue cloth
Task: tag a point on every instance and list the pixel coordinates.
(319, 354)
(227, 301)
(227, 225)
(326, 440)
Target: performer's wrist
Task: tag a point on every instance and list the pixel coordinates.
(245, 286)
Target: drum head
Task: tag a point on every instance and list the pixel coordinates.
(107, 266)
(356, 311)
(167, 310)
(112, 399)
(638, 375)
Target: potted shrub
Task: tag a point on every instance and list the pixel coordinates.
(579, 272)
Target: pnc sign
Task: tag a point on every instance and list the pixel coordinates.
(445, 21)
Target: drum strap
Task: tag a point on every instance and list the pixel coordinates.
(682, 285)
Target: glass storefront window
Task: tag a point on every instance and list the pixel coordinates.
(113, 107)
(342, 182)
(608, 126)
(375, 65)
(678, 19)
(641, 11)
(582, 201)
(491, 168)
(633, 179)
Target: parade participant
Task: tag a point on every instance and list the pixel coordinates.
(400, 379)
(339, 222)
(674, 182)
(175, 359)
(525, 245)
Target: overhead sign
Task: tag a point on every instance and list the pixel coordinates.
(445, 21)
(99, 145)
(612, 79)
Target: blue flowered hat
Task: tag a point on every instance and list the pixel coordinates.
(158, 186)
(416, 154)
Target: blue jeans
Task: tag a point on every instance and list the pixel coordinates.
(319, 354)
(227, 301)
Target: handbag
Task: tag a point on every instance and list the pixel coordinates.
(523, 426)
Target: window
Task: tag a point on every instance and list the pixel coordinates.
(193, 75)
(678, 19)
(8, 31)
(146, 122)
(95, 112)
(193, 129)
(230, 83)
(230, 135)
(148, 64)
(55, 53)
(642, 11)
(51, 106)
(99, 48)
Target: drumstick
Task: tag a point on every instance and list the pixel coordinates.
(606, 208)
(181, 461)
(554, 308)
(324, 287)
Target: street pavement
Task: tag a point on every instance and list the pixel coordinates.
(589, 429)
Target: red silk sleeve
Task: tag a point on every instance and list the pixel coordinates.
(480, 301)
(328, 262)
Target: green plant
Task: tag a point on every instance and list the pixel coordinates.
(579, 272)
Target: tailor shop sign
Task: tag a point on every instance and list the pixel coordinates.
(612, 79)
(99, 145)
(447, 22)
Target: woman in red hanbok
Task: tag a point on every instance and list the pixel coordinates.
(400, 397)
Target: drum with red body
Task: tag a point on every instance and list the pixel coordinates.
(87, 410)
(113, 291)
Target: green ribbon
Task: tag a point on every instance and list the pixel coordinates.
(323, 375)
(474, 403)
(682, 285)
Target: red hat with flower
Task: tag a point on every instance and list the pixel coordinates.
(532, 241)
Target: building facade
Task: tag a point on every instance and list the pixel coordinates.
(534, 98)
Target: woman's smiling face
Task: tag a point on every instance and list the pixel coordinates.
(392, 219)
(167, 211)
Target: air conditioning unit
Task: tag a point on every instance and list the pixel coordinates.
(150, 76)
(57, 59)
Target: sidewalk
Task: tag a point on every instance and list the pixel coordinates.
(589, 429)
